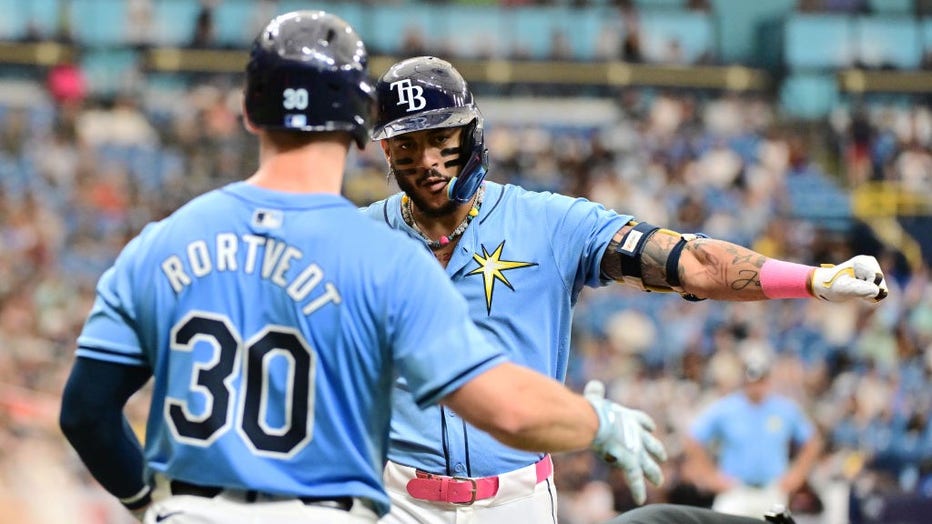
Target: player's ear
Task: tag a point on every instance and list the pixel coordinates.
(386, 150)
(250, 127)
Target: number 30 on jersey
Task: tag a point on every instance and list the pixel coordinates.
(246, 406)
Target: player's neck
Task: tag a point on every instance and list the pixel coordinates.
(314, 168)
(435, 225)
(442, 230)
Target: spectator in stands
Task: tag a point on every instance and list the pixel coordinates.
(204, 31)
(67, 84)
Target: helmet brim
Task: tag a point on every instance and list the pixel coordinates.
(436, 119)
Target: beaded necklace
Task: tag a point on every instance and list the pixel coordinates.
(407, 213)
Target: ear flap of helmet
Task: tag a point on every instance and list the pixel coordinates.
(463, 187)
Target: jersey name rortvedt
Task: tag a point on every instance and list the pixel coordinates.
(272, 258)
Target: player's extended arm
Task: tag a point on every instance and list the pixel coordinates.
(658, 259)
(527, 410)
(92, 420)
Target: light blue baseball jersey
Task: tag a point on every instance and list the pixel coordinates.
(275, 324)
(520, 264)
(753, 440)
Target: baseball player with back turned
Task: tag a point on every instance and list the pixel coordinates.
(273, 317)
(521, 259)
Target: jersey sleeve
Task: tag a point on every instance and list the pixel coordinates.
(705, 427)
(109, 333)
(437, 348)
(581, 230)
(376, 210)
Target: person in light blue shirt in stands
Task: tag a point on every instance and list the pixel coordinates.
(752, 432)
(272, 319)
(521, 259)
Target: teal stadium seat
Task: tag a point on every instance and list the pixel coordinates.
(893, 41)
(471, 31)
(581, 27)
(233, 23)
(356, 14)
(386, 35)
(692, 30)
(16, 15)
(106, 69)
(174, 22)
(745, 27)
(898, 7)
(98, 22)
(809, 95)
(14, 19)
(532, 29)
(925, 33)
(818, 42)
(667, 4)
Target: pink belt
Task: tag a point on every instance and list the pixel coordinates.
(464, 490)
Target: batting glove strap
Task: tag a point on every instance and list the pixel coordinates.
(857, 278)
(624, 441)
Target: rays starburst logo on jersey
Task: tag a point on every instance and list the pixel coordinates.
(491, 267)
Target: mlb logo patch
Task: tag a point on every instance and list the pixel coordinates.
(267, 218)
(295, 120)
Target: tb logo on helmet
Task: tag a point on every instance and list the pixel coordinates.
(409, 94)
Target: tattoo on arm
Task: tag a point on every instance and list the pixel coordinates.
(727, 265)
(747, 268)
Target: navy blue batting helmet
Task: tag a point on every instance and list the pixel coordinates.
(426, 92)
(308, 71)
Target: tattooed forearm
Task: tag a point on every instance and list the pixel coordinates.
(725, 270)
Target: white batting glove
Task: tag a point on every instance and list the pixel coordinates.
(859, 277)
(624, 440)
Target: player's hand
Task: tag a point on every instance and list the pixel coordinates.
(859, 277)
(624, 440)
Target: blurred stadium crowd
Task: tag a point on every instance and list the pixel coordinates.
(81, 174)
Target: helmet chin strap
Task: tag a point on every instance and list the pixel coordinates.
(462, 188)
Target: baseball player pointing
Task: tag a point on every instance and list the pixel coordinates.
(272, 317)
(521, 258)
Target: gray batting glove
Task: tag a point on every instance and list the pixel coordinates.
(859, 277)
(624, 440)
